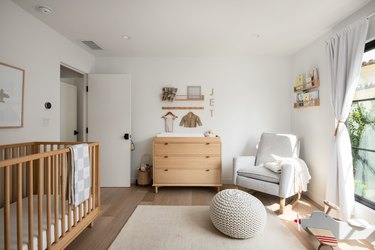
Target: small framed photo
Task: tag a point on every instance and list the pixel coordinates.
(194, 93)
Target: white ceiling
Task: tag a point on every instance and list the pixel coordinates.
(193, 27)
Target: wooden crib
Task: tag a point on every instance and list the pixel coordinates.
(34, 184)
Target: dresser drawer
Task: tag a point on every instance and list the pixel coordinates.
(167, 149)
(194, 162)
(187, 176)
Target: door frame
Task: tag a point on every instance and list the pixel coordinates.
(85, 101)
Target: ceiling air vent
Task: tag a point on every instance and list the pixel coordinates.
(92, 45)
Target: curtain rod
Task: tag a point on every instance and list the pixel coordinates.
(371, 15)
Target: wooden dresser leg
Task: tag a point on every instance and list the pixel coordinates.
(218, 189)
(156, 189)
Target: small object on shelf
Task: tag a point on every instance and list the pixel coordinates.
(312, 85)
(299, 82)
(169, 94)
(209, 133)
(315, 74)
(194, 92)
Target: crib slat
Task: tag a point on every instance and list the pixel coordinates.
(97, 166)
(19, 206)
(27, 152)
(91, 188)
(6, 154)
(63, 158)
(45, 170)
(14, 177)
(80, 212)
(48, 202)
(84, 208)
(75, 215)
(68, 158)
(40, 204)
(7, 208)
(30, 205)
(57, 198)
(35, 150)
(93, 183)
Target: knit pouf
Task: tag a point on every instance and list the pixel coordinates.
(237, 214)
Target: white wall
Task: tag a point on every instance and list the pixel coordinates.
(251, 96)
(29, 44)
(316, 125)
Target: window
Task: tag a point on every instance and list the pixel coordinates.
(361, 124)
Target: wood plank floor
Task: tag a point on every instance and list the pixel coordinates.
(118, 204)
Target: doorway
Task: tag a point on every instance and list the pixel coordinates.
(73, 105)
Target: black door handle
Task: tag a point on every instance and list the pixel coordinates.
(76, 132)
(126, 136)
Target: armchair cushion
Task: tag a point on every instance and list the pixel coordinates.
(274, 166)
(259, 173)
(274, 146)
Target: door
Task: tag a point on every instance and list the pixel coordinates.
(109, 119)
(68, 112)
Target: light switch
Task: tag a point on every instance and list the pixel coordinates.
(45, 122)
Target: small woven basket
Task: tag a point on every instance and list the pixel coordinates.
(144, 178)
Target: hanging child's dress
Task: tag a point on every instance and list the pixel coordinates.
(169, 120)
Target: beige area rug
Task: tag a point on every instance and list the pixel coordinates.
(190, 227)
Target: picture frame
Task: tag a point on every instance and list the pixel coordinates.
(12, 80)
(194, 93)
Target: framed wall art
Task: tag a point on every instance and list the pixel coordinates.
(11, 96)
(194, 93)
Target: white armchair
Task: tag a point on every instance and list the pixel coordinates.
(250, 172)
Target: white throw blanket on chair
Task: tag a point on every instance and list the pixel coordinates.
(301, 173)
(80, 180)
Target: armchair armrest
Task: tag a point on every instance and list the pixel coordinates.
(294, 177)
(286, 181)
(239, 162)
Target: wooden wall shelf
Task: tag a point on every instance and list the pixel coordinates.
(184, 98)
(315, 84)
(307, 104)
(167, 108)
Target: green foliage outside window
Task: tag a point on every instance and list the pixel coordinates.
(361, 117)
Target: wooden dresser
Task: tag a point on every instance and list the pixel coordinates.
(187, 161)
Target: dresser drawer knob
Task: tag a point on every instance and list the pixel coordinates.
(166, 170)
(207, 156)
(166, 143)
(166, 156)
(207, 143)
(207, 170)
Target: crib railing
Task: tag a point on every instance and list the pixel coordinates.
(41, 170)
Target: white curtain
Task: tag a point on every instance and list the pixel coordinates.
(345, 52)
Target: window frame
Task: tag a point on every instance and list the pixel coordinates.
(369, 46)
